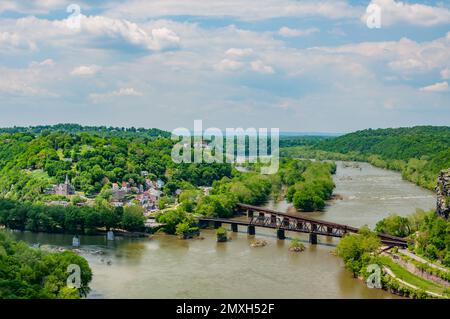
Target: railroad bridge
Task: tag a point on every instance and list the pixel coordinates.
(282, 222)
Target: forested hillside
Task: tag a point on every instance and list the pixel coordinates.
(97, 130)
(30, 162)
(418, 152)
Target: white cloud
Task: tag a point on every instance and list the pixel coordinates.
(393, 12)
(229, 65)
(15, 42)
(260, 67)
(94, 31)
(85, 70)
(405, 55)
(291, 33)
(239, 52)
(437, 87)
(242, 9)
(160, 39)
(122, 92)
(445, 74)
(20, 88)
(32, 6)
(163, 39)
(44, 63)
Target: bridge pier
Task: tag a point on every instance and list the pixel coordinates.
(217, 224)
(313, 239)
(234, 228)
(251, 229)
(280, 234)
(203, 224)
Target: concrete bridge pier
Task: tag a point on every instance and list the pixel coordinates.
(313, 239)
(251, 229)
(234, 228)
(217, 225)
(280, 234)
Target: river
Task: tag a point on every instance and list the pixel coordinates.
(166, 267)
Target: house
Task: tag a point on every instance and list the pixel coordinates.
(64, 189)
(154, 193)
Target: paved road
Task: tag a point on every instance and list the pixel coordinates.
(420, 259)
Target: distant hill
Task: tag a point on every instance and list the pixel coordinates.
(97, 130)
(419, 152)
(393, 143)
(302, 134)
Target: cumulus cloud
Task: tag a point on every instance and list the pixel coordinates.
(239, 52)
(405, 55)
(32, 6)
(94, 29)
(122, 92)
(242, 9)
(44, 63)
(15, 42)
(393, 12)
(229, 65)
(85, 70)
(437, 87)
(19, 88)
(445, 74)
(159, 39)
(260, 67)
(292, 33)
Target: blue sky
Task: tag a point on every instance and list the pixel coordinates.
(295, 65)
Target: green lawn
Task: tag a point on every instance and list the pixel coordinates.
(410, 278)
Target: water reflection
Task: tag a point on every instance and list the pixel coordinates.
(166, 267)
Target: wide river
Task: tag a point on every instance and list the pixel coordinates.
(165, 267)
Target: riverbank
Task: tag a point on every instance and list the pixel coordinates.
(167, 267)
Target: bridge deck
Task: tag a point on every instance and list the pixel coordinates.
(290, 222)
(317, 221)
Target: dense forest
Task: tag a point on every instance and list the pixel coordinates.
(419, 153)
(97, 130)
(30, 163)
(29, 273)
